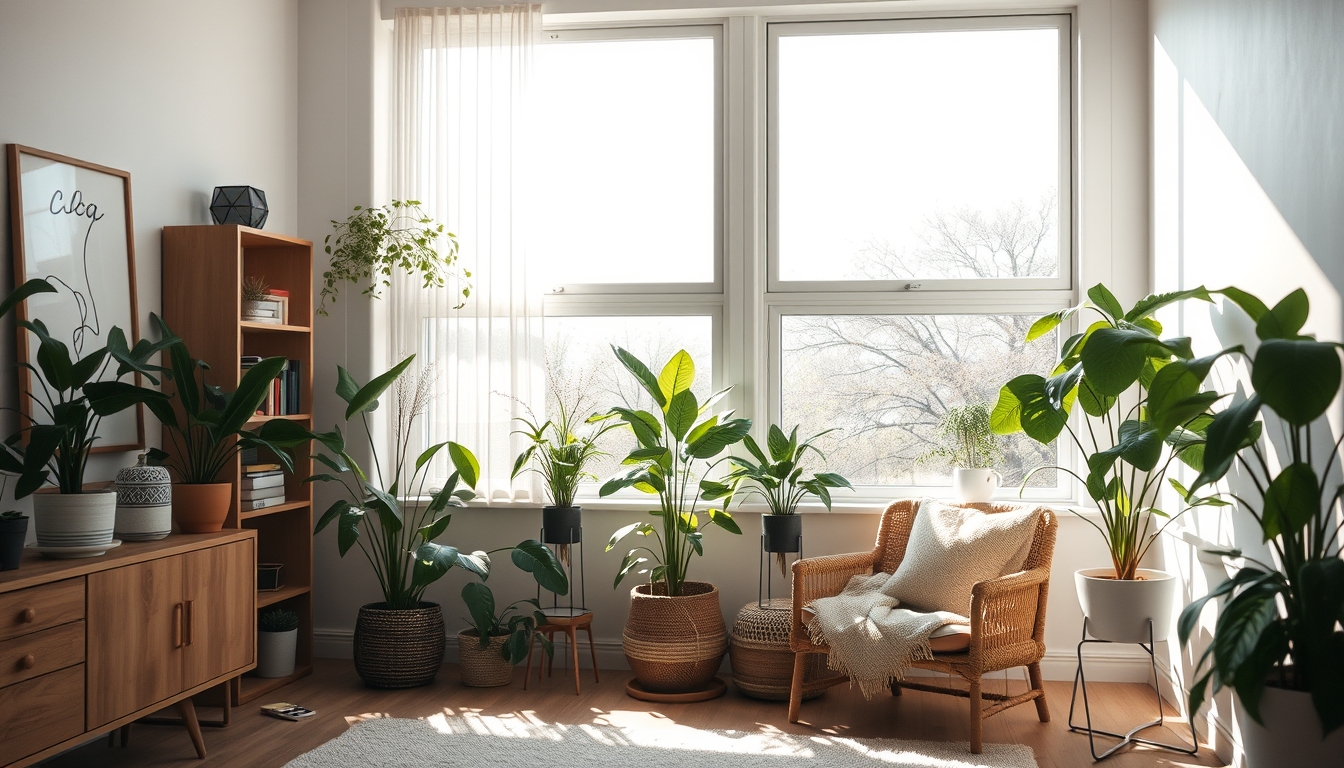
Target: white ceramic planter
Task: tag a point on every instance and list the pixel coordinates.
(975, 485)
(1291, 735)
(275, 653)
(74, 519)
(1119, 610)
(144, 502)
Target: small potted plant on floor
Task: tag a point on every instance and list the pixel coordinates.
(674, 637)
(399, 642)
(778, 478)
(497, 640)
(560, 450)
(277, 641)
(973, 450)
(13, 532)
(1146, 405)
(210, 432)
(1277, 642)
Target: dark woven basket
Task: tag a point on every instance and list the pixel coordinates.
(399, 649)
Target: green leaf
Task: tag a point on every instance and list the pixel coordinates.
(631, 561)
(85, 369)
(1297, 379)
(1024, 405)
(347, 529)
(1106, 301)
(465, 462)
(1185, 625)
(427, 455)
(719, 437)
(109, 397)
(1227, 433)
(367, 396)
(1048, 323)
(1150, 304)
(724, 520)
(346, 386)
(682, 411)
(481, 605)
(432, 531)
(1140, 444)
(777, 443)
(333, 512)
(1113, 358)
(677, 376)
(1291, 501)
(1249, 304)
(432, 561)
(537, 559)
(23, 292)
(252, 390)
(53, 357)
(1247, 614)
(1286, 319)
(642, 374)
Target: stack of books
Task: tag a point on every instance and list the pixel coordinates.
(263, 486)
(283, 399)
(274, 309)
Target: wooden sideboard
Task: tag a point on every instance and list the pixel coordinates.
(88, 646)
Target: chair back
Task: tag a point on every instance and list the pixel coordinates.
(898, 519)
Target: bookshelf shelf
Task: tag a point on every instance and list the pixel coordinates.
(203, 270)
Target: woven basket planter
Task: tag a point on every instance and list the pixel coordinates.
(675, 644)
(483, 667)
(399, 649)
(760, 655)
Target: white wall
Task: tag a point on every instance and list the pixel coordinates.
(1248, 189)
(343, 84)
(184, 96)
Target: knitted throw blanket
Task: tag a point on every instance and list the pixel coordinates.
(872, 640)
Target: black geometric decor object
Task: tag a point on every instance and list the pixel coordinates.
(239, 205)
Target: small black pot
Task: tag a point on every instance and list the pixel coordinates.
(13, 532)
(562, 525)
(783, 533)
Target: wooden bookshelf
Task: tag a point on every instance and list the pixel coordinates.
(203, 270)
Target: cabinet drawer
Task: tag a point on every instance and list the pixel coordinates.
(41, 712)
(36, 654)
(36, 608)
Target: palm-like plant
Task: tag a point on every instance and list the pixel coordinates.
(778, 479)
(563, 448)
(670, 462)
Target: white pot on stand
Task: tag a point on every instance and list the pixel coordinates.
(1291, 734)
(1119, 610)
(975, 485)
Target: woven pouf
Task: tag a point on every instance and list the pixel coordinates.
(762, 661)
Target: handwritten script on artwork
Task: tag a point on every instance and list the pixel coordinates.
(74, 205)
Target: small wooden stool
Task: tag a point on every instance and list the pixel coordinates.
(569, 625)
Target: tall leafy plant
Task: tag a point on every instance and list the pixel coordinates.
(1144, 406)
(1280, 624)
(671, 461)
(968, 438)
(399, 541)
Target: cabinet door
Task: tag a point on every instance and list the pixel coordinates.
(220, 591)
(134, 642)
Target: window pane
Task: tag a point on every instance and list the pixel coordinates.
(886, 380)
(582, 369)
(626, 193)
(918, 155)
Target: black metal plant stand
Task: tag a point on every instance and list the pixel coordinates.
(1080, 680)
(570, 610)
(766, 573)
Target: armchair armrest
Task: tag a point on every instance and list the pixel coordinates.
(827, 576)
(1009, 613)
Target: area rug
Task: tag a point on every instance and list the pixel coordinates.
(513, 742)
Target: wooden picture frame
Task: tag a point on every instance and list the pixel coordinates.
(71, 223)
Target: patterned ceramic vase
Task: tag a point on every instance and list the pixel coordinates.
(144, 502)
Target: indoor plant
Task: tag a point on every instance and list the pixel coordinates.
(973, 450)
(563, 448)
(277, 641)
(778, 480)
(1282, 662)
(373, 242)
(1143, 405)
(497, 639)
(210, 433)
(674, 637)
(13, 532)
(399, 641)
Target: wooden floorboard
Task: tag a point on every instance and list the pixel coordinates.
(338, 696)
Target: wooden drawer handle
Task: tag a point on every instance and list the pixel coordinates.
(28, 616)
(28, 662)
(177, 625)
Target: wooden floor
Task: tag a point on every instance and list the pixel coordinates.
(338, 696)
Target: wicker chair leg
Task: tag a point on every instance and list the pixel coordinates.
(796, 689)
(895, 688)
(977, 721)
(1042, 709)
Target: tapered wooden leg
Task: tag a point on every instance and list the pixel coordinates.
(976, 721)
(895, 688)
(187, 710)
(573, 635)
(531, 646)
(126, 734)
(541, 663)
(1042, 709)
(796, 689)
(592, 649)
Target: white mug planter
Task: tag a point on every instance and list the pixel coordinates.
(275, 653)
(1119, 609)
(975, 485)
(74, 519)
(1291, 734)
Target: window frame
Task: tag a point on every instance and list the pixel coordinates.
(1066, 251)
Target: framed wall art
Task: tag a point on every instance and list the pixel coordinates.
(71, 224)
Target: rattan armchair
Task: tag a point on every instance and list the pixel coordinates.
(1007, 616)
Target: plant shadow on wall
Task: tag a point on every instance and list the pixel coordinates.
(400, 641)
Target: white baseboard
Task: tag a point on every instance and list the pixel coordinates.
(1104, 665)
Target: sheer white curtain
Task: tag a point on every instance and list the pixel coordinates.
(460, 146)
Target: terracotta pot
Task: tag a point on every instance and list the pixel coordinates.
(74, 519)
(1291, 735)
(399, 649)
(1119, 609)
(483, 667)
(675, 644)
(201, 508)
